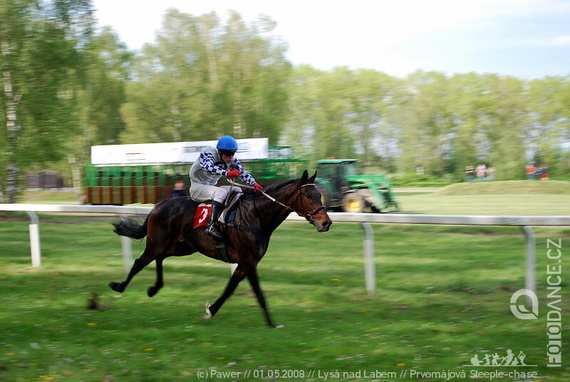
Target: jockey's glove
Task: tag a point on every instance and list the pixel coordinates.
(233, 173)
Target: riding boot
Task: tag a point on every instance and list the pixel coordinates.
(212, 224)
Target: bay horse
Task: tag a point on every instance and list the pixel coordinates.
(169, 232)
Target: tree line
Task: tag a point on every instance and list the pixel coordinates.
(67, 86)
(433, 122)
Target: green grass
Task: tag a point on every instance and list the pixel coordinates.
(550, 198)
(49, 197)
(522, 205)
(442, 297)
(553, 187)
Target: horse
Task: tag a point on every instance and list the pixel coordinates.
(169, 231)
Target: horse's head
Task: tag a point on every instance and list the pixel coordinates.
(308, 203)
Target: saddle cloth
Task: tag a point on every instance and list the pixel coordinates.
(204, 210)
(202, 215)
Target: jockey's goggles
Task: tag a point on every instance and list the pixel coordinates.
(228, 153)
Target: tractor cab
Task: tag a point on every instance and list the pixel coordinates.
(332, 174)
(342, 188)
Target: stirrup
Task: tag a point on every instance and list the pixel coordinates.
(212, 230)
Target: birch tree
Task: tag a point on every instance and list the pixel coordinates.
(41, 61)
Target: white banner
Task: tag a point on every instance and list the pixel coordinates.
(171, 153)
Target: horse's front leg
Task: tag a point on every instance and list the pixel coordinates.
(254, 281)
(236, 278)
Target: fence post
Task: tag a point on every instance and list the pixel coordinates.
(127, 253)
(35, 239)
(369, 263)
(530, 259)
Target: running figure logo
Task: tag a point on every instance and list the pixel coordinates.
(494, 360)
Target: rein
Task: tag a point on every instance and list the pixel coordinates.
(306, 215)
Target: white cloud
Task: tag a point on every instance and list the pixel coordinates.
(562, 40)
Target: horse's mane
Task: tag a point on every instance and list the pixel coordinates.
(276, 187)
(272, 189)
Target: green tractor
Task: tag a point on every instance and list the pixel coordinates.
(342, 188)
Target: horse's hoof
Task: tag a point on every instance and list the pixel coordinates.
(117, 287)
(208, 313)
(151, 291)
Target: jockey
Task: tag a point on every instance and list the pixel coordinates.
(212, 164)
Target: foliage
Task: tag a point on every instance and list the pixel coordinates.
(432, 122)
(100, 96)
(41, 59)
(415, 180)
(341, 113)
(202, 79)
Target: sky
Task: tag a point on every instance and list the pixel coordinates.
(523, 38)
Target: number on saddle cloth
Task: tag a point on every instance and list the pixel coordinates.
(202, 215)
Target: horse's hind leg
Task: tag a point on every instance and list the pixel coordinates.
(145, 259)
(159, 279)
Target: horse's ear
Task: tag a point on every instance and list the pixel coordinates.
(304, 177)
(312, 179)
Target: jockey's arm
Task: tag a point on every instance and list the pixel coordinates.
(245, 176)
(207, 163)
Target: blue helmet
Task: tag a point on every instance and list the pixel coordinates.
(227, 143)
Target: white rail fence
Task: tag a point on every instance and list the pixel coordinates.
(365, 219)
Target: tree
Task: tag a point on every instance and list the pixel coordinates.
(41, 45)
(300, 129)
(108, 70)
(424, 121)
(549, 100)
(504, 125)
(371, 99)
(202, 79)
(321, 110)
(100, 96)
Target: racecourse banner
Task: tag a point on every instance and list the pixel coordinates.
(170, 153)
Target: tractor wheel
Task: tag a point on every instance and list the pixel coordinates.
(353, 202)
(325, 198)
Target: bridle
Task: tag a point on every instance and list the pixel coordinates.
(307, 215)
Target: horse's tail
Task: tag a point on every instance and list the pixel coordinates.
(130, 228)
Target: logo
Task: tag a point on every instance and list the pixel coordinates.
(494, 360)
(519, 309)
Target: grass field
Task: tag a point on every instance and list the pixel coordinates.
(442, 297)
(491, 198)
(551, 187)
